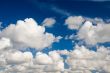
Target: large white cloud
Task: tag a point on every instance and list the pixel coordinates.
(28, 33)
(83, 59)
(80, 59)
(92, 34)
(24, 62)
(18, 57)
(87, 31)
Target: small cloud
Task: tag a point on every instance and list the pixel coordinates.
(49, 22)
(74, 22)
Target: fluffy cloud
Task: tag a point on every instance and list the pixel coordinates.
(18, 57)
(92, 34)
(58, 64)
(42, 58)
(28, 33)
(57, 67)
(49, 22)
(80, 59)
(87, 31)
(74, 22)
(4, 43)
(83, 59)
(24, 62)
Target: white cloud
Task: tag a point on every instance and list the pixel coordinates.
(55, 56)
(5, 43)
(42, 63)
(42, 58)
(87, 31)
(74, 22)
(58, 64)
(57, 67)
(80, 59)
(92, 34)
(28, 33)
(49, 22)
(18, 57)
(83, 59)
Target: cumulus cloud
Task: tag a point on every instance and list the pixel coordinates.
(91, 30)
(24, 62)
(92, 34)
(83, 59)
(18, 57)
(13, 60)
(42, 58)
(49, 22)
(74, 22)
(4, 43)
(28, 33)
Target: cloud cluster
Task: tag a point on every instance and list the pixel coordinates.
(28, 34)
(15, 61)
(85, 60)
(94, 34)
(79, 60)
(91, 30)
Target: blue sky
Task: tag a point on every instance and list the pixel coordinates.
(83, 27)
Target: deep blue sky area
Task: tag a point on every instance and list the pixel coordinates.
(13, 10)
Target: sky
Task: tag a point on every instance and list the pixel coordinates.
(54, 36)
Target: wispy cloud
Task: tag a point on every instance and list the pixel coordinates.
(60, 11)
